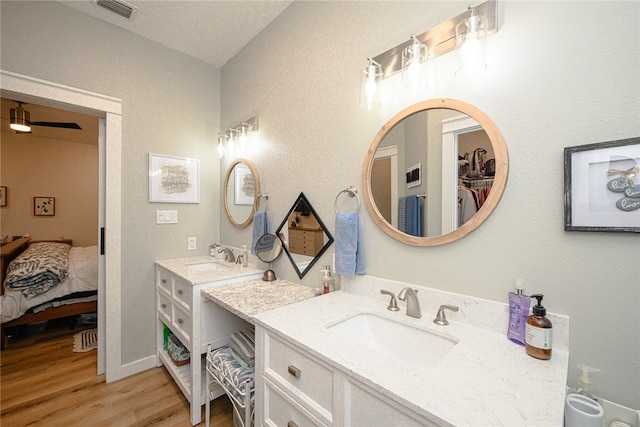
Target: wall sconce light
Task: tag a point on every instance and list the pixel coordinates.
(238, 133)
(19, 119)
(470, 28)
(369, 97)
(471, 44)
(414, 72)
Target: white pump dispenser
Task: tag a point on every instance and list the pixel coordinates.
(585, 386)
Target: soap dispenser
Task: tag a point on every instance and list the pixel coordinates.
(518, 313)
(539, 332)
(585, 385)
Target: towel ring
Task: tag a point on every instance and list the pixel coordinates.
(352, 192)
(266, 201)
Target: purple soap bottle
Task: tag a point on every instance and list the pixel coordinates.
(518, 313)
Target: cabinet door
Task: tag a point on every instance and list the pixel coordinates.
(364, 407)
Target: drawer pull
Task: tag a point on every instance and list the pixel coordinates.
(164, 281)
(180, 292)
(294, 371)
(291, 424)
(164, 305)
(180, 321)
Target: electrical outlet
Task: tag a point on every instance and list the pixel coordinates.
(191, 244)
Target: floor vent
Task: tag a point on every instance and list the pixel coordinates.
(118, 7)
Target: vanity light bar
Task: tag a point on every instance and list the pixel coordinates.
(440, 39)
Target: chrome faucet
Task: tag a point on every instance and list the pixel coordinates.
(229, 256)
(413, 305)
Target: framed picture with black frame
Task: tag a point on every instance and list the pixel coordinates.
(602, 186)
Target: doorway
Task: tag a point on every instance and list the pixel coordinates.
(108, 109)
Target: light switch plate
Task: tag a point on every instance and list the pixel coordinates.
(166, 217)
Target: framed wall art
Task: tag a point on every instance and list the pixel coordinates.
(173, 179)
(602, 186)
(44, 206)
(4, 196)
(244, 185)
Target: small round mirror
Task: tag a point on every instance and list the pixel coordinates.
(241, 186)
(268, 249)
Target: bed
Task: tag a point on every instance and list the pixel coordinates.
(75, 294)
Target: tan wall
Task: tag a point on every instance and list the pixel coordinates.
(67, 171)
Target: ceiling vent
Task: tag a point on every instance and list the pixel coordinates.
(118, 7)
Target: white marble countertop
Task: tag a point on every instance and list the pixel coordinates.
(485, 380)
(188, 269)
(247, 299)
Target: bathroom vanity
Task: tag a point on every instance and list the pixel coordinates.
(181, 308)
(343, 359)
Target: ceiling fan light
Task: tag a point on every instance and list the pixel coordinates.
(19, 120)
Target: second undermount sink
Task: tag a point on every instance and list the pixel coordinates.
(395, 339)
(206, 266)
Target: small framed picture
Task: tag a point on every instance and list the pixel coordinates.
(173, 179)
(44, 206)
(602, 186)
(4, 197)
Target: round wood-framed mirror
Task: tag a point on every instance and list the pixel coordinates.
(426, 168)
(241, 190)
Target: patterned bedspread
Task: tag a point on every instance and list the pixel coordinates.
(39, 268)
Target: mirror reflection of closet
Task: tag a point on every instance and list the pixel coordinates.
(422, 160)
(304, 236)
(241, 185)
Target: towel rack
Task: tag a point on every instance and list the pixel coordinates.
(266, 201)
(352, 191)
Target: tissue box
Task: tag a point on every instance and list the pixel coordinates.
(614, 412)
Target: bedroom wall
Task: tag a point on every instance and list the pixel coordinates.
(160, 90)
(32, 166)
(549, 85)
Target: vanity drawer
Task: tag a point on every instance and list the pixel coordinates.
(164, 280)
(293, 368)
(182, 293)
(282, 411)
(182, 321)
(164, 306)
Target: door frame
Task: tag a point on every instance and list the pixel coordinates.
(109, 110)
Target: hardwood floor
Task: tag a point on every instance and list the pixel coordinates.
(44, 383)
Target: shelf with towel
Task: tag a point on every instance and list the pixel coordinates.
(236, 380)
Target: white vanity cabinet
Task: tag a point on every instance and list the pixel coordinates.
(296, 389)
(196, 324)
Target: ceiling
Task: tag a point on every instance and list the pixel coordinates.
(213, 31)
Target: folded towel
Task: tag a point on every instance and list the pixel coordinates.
(242, 344)
(349, 247)
(260, 228)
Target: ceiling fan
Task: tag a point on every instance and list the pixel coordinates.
(20, 120)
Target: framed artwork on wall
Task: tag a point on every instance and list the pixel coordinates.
(173, 179)
(244, 188)
(4, 197)
(602, 186)
(44, 206)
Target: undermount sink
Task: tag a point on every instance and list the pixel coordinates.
(395, 339)
(206, 266)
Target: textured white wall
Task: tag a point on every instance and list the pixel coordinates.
(560, 74)
(161, 90)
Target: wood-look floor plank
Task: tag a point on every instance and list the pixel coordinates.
(44, 383)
